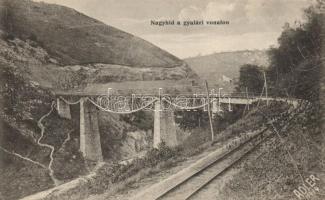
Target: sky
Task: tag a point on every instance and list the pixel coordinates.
(253, 24)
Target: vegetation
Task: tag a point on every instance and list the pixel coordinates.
(141, 120)
(117, 177)
(72, 80)
(250, 79)
(296, 152)
(24, 104)
(294, 71)
(188, 120)
(19, 96)
(295, 64)
(212, 67)
(199, 119)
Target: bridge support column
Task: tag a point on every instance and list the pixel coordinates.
(164, 127)
(89, 132)
(215, 108)
(63, 109)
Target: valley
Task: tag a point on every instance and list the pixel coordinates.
(89, 111)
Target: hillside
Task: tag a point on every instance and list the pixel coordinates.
(272, 170)
(44, 48)
(77, 50)
(213, 67)
(283, 163)
(74, 38)
(24, 101)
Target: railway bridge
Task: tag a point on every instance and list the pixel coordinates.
(163, 106)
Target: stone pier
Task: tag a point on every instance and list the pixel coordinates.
(164, 127)
(63, 109)
(89, 132)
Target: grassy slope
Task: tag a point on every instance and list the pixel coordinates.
(74, 38)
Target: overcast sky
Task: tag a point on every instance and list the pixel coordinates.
(254, 24)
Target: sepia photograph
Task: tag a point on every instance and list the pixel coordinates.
(162, 99)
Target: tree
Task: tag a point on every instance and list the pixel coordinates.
(191, 120)
(295, 64)
(250, 77)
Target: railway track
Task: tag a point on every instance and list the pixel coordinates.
(189, 182)
(191, 186)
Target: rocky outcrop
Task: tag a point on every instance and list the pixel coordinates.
(135, 144)
(120, 139)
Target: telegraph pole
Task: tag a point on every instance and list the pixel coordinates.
(209, 111)
(265, 85)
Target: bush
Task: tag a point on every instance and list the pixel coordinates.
(141, 120)
(9, 36)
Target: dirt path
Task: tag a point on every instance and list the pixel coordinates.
(42, 127)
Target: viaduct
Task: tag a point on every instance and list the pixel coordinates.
(164, 122)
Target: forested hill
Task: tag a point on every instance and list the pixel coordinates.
(213, 67)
